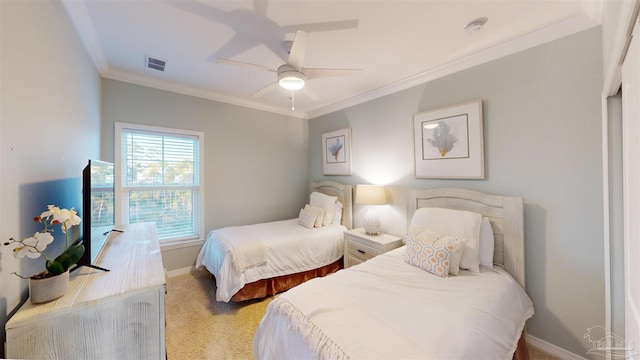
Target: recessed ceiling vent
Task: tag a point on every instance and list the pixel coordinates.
(155, 63)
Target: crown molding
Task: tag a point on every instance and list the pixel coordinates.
(79, 16)
(567, 27)
(193, 91)
(81, 20)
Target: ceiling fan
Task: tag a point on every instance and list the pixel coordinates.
(293, 76)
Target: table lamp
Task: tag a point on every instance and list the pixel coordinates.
(371, 195)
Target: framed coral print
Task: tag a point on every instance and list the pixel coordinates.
(336, 152)
(449, 142)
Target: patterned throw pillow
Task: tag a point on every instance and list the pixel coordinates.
(422, 235)
(307, 218)
(434, 256)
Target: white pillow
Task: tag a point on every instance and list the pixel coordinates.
(319, 213)
(337, 214)
(307, 218)
(326, 202)
(487, 243)
(458, 223)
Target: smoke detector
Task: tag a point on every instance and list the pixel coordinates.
(475, 25)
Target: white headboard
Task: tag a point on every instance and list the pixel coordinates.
(345, 196)
(505, 213)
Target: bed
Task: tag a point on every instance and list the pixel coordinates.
(387, 308)
(258, 260)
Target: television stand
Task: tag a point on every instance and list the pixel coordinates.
(91, 266)
(118, 314)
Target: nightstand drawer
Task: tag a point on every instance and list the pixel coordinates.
(352, 260)
(362, 251)
(360, 247)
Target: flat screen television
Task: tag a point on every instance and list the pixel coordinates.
(98, 211)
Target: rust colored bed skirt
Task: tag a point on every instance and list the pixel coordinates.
(266, 287)
(522, 352)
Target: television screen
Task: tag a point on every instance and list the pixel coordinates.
(97, 209)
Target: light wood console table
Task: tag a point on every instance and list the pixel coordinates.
(105, 315)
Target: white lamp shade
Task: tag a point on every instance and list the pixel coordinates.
(371, 195)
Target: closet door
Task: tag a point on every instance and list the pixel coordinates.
(631, 188)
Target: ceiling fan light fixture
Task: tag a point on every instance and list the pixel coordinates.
(291, 80)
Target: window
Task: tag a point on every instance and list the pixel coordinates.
(158, 179)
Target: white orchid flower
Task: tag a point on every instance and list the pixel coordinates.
(33, 246)
(66, 217)
(74, 219)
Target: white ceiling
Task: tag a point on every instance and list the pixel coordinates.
(397, 44)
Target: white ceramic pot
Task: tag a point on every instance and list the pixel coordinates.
(47, 289)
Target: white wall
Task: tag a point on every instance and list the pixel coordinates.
(49, 127)
(542, 136)
(256, 163)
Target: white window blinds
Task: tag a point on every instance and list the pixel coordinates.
(160, 180)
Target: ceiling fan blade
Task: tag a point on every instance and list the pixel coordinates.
(262, 91)
(296, 55)
(313, 73)
(244, 64)
(324, 26)
(310, 93)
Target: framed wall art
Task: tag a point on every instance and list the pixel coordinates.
(449, 142)
(336, 152)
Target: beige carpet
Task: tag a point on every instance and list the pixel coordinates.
(198, 327)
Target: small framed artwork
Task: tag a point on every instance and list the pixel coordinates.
(336, 152)
(449, 142)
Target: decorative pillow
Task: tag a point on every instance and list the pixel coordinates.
(433, 256)
(307, 218)
(487, 243)
(462, 224)
(425, 236)
(326, 202)
(319, 213)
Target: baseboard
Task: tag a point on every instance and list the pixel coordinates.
(552, 349)
(178, 272)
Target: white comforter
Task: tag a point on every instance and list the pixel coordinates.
(387, 309)
(276, 248)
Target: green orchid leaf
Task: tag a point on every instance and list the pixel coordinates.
(64, 260)
(75, 253)
(54, 267)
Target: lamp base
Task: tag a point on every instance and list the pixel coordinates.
(371, 223)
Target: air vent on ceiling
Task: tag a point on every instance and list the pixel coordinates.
(155, 63)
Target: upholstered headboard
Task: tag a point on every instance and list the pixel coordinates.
(505, 213)
(345, 196)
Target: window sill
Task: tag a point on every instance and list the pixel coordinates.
(174, 245)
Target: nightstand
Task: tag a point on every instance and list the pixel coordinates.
(360, 247)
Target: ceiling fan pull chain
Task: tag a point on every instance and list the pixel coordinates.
(293, 104)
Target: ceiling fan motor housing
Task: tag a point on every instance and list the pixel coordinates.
(291, 79)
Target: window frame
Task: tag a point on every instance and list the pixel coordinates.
(121, 204)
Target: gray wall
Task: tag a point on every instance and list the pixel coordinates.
(49, 127)
(542, 141)
(256, 163)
